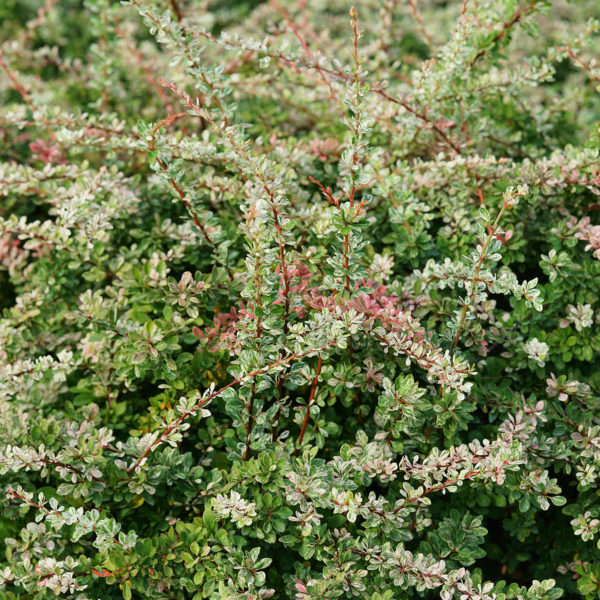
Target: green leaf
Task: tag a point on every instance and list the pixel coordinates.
(209, 519)
(127, 591)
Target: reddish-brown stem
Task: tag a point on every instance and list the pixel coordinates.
(175, 424)
(148, 75)
(486, 243)
(579, 61)
(24, 94)
(257, 335)
(302, 41)
(104, 93)
(183, 198)
(176, 10)
(250, 422)
(506, 26)
(325, 191)
(276, 220)
(419, 19)
(239, 150)
(42, 13)
(353, 189)
(480, 196)
(311, 397)
(350, 195)
(440, 486)
(375, 88)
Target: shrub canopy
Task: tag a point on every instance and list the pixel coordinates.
(299, 299)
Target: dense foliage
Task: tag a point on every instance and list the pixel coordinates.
(299, 299)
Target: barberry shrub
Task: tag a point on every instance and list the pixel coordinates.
(299, 299)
